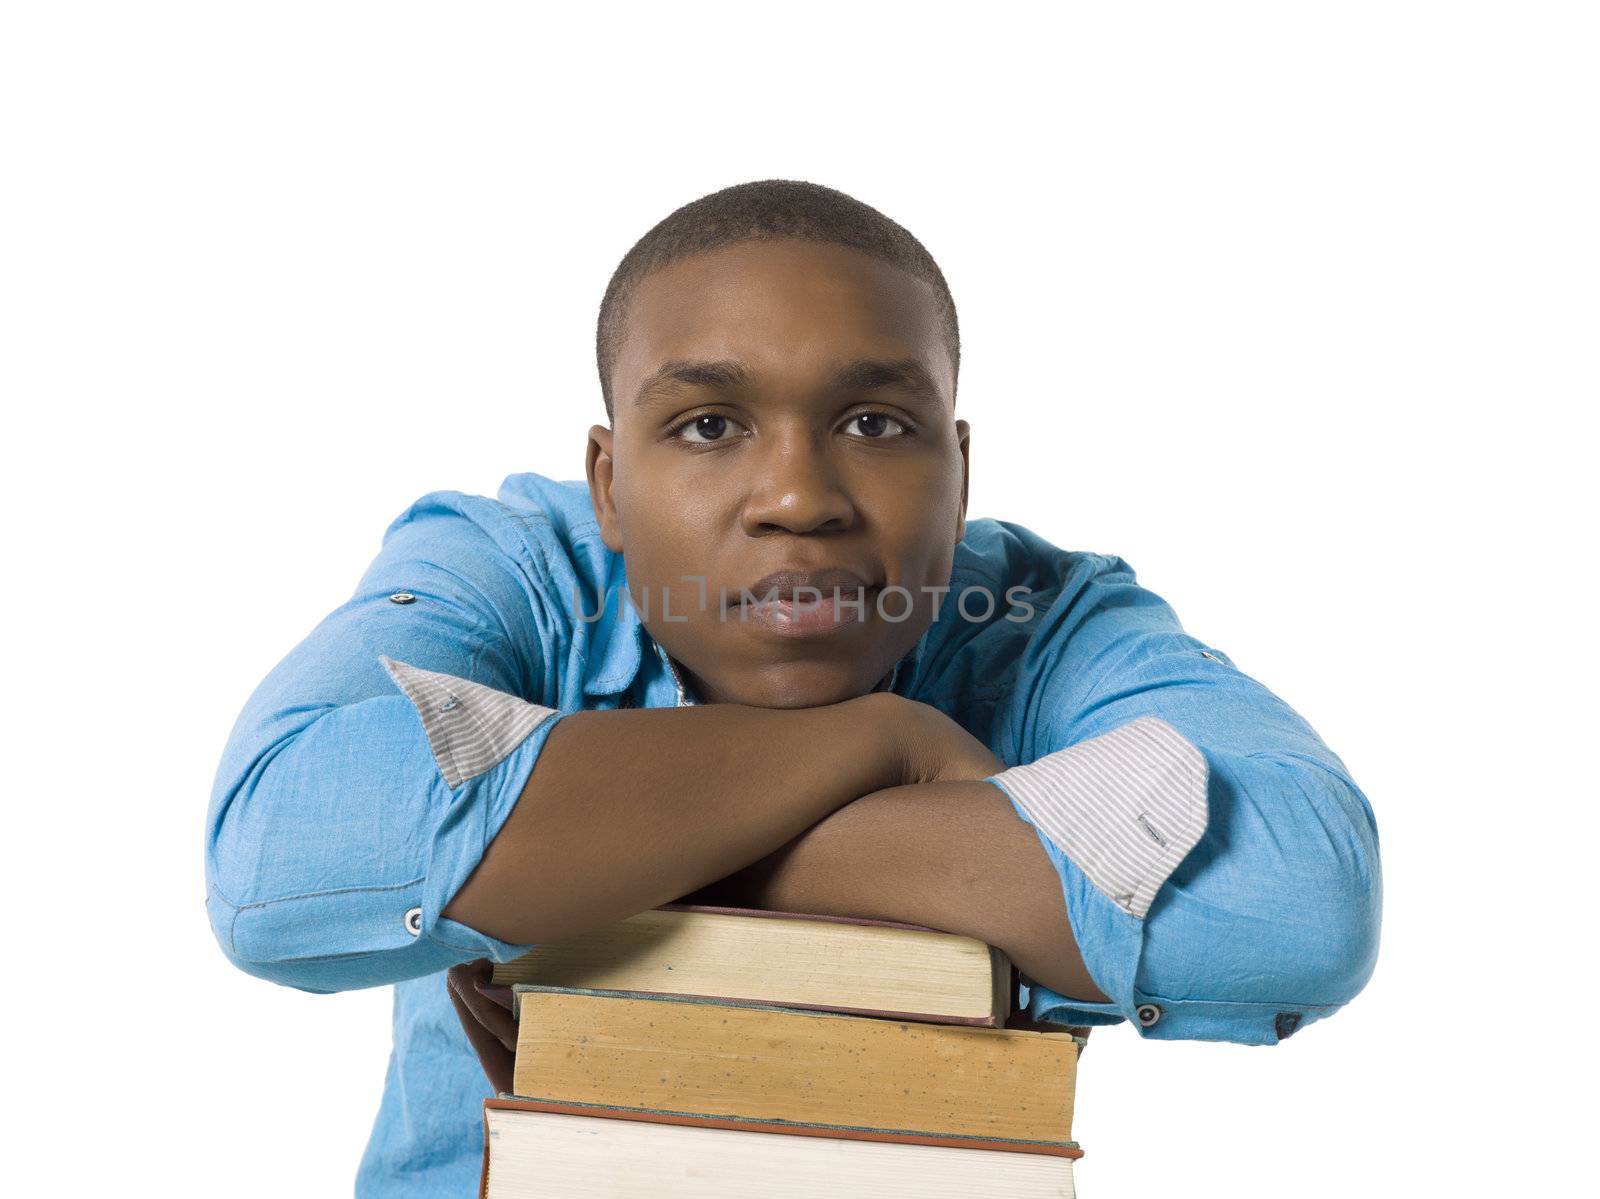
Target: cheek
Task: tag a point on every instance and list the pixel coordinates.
(920, 552)
(657, 554)
(917, 509)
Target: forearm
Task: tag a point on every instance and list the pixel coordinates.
(949, 855)
(629, 809)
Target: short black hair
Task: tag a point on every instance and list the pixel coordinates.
(768, 210)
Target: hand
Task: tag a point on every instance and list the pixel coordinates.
(935, 749)
(485, 1014)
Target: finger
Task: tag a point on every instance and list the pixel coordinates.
(479, 974)
(498, 1062)
(498, 1021)
(460, 977)
(493, 992)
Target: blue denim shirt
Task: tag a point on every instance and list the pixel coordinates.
(1219, 866)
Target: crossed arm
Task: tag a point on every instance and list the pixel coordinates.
(875, 807)
(949, 855)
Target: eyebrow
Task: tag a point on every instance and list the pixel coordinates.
(721, 375)
(906, 374)
(728, 375)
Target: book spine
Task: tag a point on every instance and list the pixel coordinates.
(483, 1171)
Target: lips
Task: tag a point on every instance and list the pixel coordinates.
(805, 603)
(782, 585)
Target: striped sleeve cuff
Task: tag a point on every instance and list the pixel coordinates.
(471, 728)
(1126, 806)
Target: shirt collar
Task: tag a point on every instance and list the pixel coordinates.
(615, 647)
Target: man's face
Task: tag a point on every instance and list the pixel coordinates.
(782, 406)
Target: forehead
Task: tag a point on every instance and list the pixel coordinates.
(784, 309)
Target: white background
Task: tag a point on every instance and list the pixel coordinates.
(1292, 306)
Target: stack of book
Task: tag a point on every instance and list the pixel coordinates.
(731, 1052)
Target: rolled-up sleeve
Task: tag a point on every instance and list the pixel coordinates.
(1219, 865)
(372, 767)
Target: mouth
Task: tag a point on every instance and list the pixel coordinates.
(806, 603)
(801, 584)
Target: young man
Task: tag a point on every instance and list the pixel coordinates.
(548, 711)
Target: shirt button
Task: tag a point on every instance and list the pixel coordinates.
(402, 597)
(1148, 1014)
(414, 922)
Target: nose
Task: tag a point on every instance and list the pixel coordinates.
(795, 488)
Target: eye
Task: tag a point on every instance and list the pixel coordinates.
(708, 429)
(877, 426)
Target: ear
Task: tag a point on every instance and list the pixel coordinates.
(598, 463)
(963, 436)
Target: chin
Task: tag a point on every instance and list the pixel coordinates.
(800, 685)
